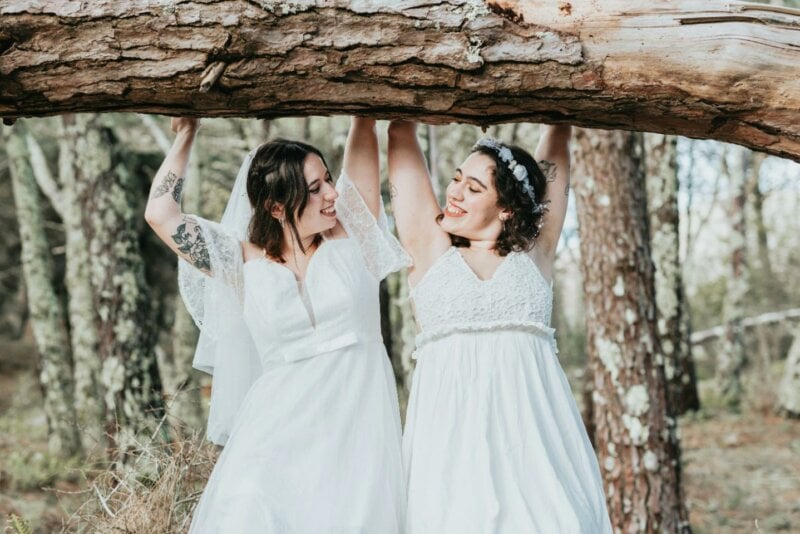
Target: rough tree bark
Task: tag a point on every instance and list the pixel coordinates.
(127, 337)
(731, 355)
(711, 69)
(671, 307)
(46, 313)
(65, 197)
(635, 429)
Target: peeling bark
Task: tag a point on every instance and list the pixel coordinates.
(635, 429)
(46, 313)
(713, 69)
(671, 306)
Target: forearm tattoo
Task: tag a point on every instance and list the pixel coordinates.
(171, 183)
(549, 170)
(192, 244)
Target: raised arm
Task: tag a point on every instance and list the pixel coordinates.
(163, 213)
(361, 161)
(413, 200)
(552, 153)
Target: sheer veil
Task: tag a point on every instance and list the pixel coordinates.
(225, 348)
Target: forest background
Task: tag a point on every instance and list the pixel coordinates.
(740, 460)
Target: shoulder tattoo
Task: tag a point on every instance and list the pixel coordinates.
(192, 244)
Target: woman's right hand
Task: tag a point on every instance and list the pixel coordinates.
(185, 124)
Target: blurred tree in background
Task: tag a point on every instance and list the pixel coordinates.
(127, 341)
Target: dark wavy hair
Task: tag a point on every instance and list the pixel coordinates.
(521, 229)
(276, 178)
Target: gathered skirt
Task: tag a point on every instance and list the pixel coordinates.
(494, 442)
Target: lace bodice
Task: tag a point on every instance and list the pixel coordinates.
(450, 298)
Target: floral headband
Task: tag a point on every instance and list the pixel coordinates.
(517, 169)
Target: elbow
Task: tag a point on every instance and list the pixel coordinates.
(154, 218)
(401, 128)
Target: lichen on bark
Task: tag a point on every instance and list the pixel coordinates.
(46, 312)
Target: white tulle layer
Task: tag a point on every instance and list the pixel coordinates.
(494, 442)
(314, 449)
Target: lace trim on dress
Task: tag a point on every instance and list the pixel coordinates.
(204, 293)
(382, 251)
(426, 337)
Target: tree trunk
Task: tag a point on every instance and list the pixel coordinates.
(789, 391)
(127, 335)
(731, 356)
(635, 429)
(662, 201)
(403, 334)
(83, 317)
(597, 64)
(46, 313)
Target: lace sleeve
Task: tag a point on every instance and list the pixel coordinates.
(382, 251)
(203, 293)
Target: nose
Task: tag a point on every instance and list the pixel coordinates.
(455, 190)
(330, 192)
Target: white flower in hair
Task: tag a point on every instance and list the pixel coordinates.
(518, 170)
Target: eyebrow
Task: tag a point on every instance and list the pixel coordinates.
(472, 178)
(312, 184)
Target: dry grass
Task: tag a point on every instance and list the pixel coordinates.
(155, 491)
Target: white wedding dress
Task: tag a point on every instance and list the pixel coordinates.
(494, 442)
(316, 445)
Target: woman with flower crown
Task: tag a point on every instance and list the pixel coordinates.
(494, 442)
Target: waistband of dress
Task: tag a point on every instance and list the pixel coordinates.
(427, 336)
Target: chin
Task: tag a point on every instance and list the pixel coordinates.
(450, 226)
(328, 225)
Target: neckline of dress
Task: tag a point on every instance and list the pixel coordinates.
(300, 285)
(475, 275)
(268, 261)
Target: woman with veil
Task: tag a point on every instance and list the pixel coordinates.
(285, 291)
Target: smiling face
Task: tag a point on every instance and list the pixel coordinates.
(319, 214)
(471, 209)
(291, 191)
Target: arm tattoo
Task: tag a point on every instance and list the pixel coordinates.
(171, 182)
(549, 170)
(192, 244)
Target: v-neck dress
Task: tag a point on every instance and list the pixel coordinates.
(494, 442)
(316, 444)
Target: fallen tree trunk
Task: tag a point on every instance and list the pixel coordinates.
(707, 69)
